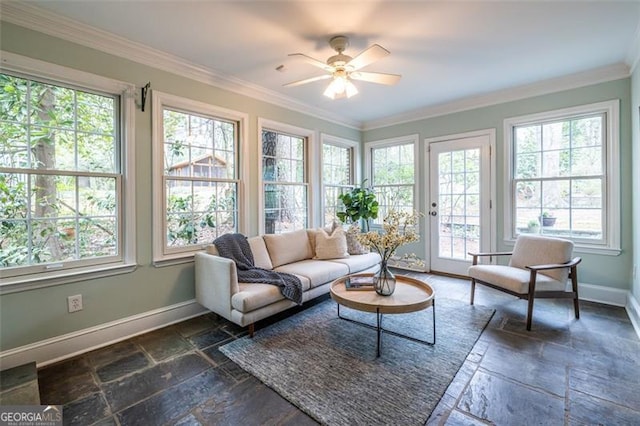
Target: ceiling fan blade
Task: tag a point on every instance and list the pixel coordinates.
(312, 61)
(368, 56)
(307, 80)
(375, 77)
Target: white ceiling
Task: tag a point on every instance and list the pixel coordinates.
(445, 51)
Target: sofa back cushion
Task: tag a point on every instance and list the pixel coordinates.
(258, 249)
(260, 254)
(288, 247)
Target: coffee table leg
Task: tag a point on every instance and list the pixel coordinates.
(379, 330)
(433, 308)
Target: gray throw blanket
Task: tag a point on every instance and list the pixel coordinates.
(236, 247)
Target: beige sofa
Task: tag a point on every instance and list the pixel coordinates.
(218, 289)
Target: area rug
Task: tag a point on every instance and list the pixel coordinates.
(328, 368)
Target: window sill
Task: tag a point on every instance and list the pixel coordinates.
(584, 249)
(176, 260)
(35, 281)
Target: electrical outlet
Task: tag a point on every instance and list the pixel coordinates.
(74, 303)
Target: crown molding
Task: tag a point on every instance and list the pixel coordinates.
(40, 20)
(633, 55)
(572, 81)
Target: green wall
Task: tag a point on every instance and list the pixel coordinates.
(34, 315)
(610, 271)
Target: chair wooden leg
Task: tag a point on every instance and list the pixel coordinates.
(473, 289)
(252, 329)
(530, 312)
(574, 285)
(530, 298)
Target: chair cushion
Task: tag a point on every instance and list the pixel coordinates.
(359, 262)
(288, 247)
(537, 250)
(317, 271)
(254, 296)
(514, 279)
(331, 245)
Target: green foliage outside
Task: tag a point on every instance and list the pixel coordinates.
(52, 141)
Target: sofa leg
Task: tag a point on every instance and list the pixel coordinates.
(252, 328)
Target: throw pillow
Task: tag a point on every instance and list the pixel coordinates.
(353, 245)
(331, 246)
(311, 234)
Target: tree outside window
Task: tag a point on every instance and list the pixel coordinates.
(200, 178)
(337, 177)
(60, 175)
(559, 177)
(393, 178)
(284, 179)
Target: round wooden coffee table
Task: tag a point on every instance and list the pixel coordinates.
(411, 295)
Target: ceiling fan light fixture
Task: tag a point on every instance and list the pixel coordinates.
(343, 68)
(340, 87)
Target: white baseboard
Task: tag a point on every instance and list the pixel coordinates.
(68, 345)
(633, 310)
(602, 294)
(615, 297)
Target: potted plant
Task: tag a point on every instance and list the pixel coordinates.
(547, 219)
(359, 203)
(533, 227)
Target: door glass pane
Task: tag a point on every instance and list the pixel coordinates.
(458, 203)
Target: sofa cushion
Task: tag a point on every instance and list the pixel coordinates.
(258, 249)
(311, 234)
(288, 247)
(317, 271)
(353, 245)
(514, 279)
(260, 254)
(331, 245)
(254, 296)
(359, 262)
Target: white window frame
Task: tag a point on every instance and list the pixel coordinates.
(311, 166)
(162, 256)
(126, 260)
(356, 172)
(611, 205)
(384, 143)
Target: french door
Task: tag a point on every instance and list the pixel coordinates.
(459, 205)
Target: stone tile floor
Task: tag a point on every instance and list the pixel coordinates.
(565, 371)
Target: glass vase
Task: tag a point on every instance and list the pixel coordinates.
(384, 282)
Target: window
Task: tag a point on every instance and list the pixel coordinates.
(197, 161)
(285, 187)
(561, 180)
(338, 173)
(393, 174)
(62, 180)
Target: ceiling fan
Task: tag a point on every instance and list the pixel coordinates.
(342, 69)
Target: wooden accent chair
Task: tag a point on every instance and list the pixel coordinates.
(539, 267)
